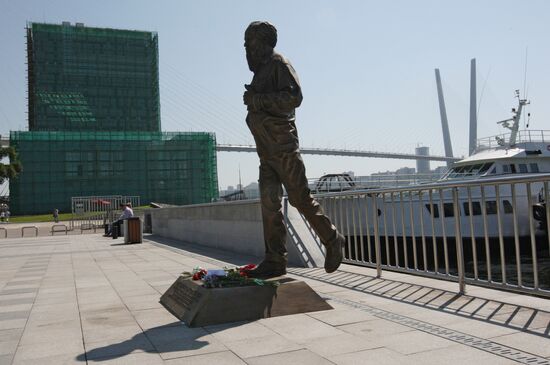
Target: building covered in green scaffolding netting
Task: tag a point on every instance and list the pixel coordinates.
(94, 125)
(176, 168)
(83, 79)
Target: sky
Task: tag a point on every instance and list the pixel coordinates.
(366, 69)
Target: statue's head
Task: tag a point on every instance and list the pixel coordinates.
(260, 39)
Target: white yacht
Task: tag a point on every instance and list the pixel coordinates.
(495, 161)
(517, 152)
(490, 206)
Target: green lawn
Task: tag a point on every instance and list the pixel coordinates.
(62, 216)
(40, 218)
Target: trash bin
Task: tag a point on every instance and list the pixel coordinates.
(133, 230)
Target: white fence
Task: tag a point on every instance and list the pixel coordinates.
(481, 232)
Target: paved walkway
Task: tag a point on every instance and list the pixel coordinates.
(87, 299)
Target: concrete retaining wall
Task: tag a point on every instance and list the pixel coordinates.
(231, 226)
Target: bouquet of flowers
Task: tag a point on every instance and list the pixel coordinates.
(227, 277)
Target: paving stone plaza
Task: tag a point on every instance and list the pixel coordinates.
(80, 299)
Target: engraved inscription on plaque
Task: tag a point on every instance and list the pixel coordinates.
(182, 298)
(197, 306)
(185, 296)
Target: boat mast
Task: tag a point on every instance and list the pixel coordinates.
(473, 107)
(515, 119)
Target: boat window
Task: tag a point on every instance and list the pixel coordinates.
(522, 168)
(463, 170)
(435, 210)
(475, 169)
(321, 186)
(534, 167)
(448, 210)
(507, 207)
(509, 168)
(476, 208)
(493, 170)
(491, 207)
(454, 172)
(485, 167)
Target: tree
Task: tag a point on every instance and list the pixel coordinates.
(13, 168)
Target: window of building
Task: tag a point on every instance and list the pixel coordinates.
(71, 169)
(72, 156)
(104, 156)
(105, 169)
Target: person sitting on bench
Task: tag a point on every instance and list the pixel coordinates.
(127, 212)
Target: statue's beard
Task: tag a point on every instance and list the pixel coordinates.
(257, 57)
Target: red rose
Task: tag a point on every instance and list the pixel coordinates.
(199, 274)
(243, 271)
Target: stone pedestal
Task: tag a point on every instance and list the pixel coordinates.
(197, 306)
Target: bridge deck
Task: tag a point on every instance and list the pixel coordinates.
(86, 298)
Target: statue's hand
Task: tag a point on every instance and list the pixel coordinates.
(247, 98)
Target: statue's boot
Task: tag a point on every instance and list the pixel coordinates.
(267, 269)
(334, 256)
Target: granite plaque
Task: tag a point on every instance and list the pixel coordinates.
(197, 306)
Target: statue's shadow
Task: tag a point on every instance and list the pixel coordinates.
(169, 338)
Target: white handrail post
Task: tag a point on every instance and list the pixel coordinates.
(376, 238)
(458, 240)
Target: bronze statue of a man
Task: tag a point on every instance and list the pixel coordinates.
(271, 100)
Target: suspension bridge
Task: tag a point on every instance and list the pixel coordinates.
(342, 152)
(5, 142)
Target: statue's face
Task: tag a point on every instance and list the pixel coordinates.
(256, 52)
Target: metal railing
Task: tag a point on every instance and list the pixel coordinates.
(29, 227)
(523, 136)
(338, 183)
(63, 227)
(481, 232)
(90, 211)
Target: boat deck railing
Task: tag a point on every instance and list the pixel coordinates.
(523, 136)
(472, 232)
(318, 185)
